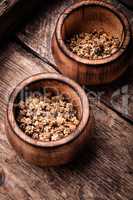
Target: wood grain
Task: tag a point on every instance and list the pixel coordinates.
(13, 13)
(104, 172)
(38, 33)
(118, 95)
(16, 65)
(3, 6)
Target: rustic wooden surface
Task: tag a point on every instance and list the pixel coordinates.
(105, 171)
(13, 13)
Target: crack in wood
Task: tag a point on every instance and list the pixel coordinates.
(2, 176)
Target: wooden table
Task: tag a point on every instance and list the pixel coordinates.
(105, 172)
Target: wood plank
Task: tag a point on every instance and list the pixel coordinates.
(117, 95)
(15, 66)
(103, 172)
(13, 13)
(38, 33)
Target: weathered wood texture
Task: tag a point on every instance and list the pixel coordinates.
(38, 33)
(3, 6)
(15, 66)
(104, 172)
(13, 13)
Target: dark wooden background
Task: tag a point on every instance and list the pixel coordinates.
(105, 171)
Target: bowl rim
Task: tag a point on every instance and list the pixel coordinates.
(119, 14)
(48, 76)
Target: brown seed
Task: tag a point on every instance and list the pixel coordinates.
(52, 118)
(93, 45)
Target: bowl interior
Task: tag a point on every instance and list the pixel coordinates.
(53, 86)
(86, 18)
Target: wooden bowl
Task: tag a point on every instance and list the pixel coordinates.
(86, 16)
(54, 152)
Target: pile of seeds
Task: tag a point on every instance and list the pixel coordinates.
(47, 117)
(93, 45)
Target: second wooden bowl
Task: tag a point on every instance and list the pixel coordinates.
(53, 152)
(85, 17)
